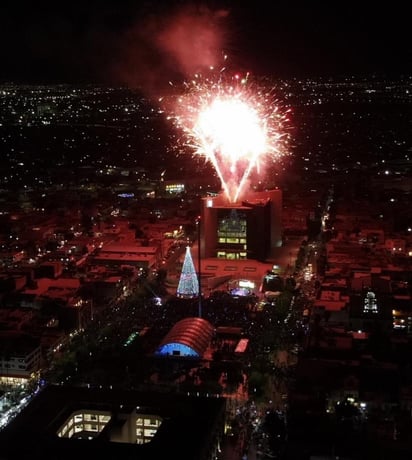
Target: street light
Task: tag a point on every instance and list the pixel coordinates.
(199, 266)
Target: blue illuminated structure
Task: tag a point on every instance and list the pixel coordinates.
(189, 337)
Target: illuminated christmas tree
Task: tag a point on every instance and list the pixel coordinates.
(188, 283)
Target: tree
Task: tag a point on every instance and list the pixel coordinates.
(188, 284)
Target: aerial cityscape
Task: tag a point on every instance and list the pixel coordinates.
(205, 252)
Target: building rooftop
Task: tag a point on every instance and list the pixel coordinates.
(187, 425)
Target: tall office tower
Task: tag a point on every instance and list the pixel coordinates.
(188, 283)
(249, 229)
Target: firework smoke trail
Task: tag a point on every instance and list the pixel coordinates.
(233, 124)
(209, 154)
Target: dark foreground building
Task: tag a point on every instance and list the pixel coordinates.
(71, 422)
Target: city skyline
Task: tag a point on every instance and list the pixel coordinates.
(205, 230)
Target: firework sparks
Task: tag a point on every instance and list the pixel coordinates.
(234, 124)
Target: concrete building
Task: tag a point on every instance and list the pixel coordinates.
(72, 422)
(249, 229)
(20, 357)
(118, 255)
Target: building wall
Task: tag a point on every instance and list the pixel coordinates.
(264, 215)
(18, 366)
(208, 230)
(276, 200)
(258, 232)
(135, 428)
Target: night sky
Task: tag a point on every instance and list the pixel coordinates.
(149, 42)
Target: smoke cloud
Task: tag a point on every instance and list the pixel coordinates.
(170, 47)
(193, 40)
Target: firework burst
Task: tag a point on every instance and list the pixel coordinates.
(234, 123)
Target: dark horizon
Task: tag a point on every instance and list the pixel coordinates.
(151, 43)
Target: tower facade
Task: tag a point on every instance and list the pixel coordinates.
(250, 229)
